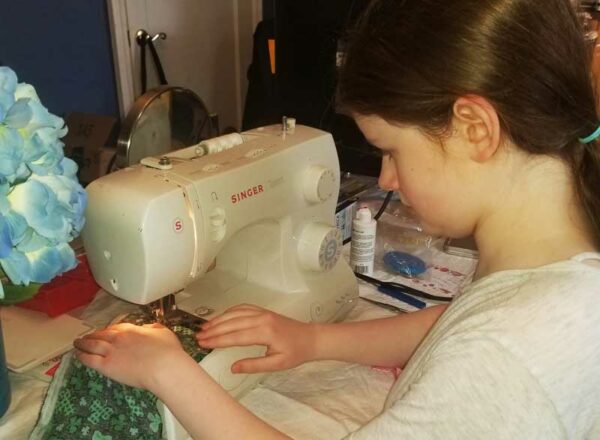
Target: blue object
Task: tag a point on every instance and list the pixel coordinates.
(591, 137)
(401, 296)
(404, 264)
(4, 383)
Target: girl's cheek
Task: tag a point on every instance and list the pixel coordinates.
(403, 198)
(388, 175)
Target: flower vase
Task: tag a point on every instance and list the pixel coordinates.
(4, 382)
(14, 294)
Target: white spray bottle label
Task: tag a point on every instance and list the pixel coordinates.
(362, 247)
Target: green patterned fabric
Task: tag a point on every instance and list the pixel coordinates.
(83, 404)
(91, 406)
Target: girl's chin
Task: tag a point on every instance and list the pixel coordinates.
(429, 229)
(424, 226)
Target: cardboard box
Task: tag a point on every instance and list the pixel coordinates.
(90, 143)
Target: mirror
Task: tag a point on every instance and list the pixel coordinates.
(163, 119)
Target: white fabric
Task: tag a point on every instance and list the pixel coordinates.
(320, 400)
(515, 356)
(27, 395)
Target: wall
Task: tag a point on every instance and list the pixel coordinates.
(62, 48)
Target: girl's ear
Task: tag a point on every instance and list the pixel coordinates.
(476, 121)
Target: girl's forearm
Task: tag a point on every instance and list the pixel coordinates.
(384, 342)
(203, 407)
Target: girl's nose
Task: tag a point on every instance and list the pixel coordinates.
(387, 176)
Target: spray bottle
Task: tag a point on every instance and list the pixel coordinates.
(362, 247)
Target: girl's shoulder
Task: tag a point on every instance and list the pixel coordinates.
(576, 280)
(544, 315)
(529, 311)
(530, 338)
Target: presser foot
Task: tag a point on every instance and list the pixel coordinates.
(165, 312)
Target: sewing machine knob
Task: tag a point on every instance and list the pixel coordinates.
(320, 184)
(319, 247)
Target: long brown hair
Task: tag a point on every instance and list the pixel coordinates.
(409, 60)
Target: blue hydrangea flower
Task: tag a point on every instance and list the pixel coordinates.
(42, 121)
(19, 115)
(17, 227)
(12, 167)
(8, 85)
(41, 202)
(70, 196)
(5, 239)
(38, 204)
(43, 150)
(17, 267)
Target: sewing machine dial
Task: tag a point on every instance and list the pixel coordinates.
(321, 183)
(319, 247)
(330, 250)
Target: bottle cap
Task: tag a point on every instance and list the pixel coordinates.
(363, 214)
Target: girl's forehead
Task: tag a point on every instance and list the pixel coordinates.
(382, 133)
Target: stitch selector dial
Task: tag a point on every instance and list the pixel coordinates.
(320, 184)
(319, 247)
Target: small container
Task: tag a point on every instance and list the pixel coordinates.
(362, 247)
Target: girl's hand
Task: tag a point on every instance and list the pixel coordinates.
(131, 354)
(289, 342)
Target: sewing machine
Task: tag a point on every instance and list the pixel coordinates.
(244, 218)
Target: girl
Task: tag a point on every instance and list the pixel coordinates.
(485, 115)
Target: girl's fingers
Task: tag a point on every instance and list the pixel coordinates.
(274, 362)
(91, 345)
(229, 326)
(228, 316)
(107, 334)
(89, 360)
(248, 336)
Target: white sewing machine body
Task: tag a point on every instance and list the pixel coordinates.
(264, 210)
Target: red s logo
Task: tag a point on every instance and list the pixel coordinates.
(178, 225)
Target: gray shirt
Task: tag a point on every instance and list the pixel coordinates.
(515, 356)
